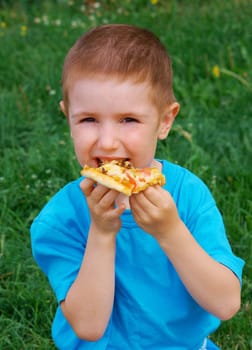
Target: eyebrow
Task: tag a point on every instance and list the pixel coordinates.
(82, 114)
(130, 114)
(92, 114)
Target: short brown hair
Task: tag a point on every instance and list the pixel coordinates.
(123, 51)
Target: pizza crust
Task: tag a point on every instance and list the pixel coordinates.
(106, 180)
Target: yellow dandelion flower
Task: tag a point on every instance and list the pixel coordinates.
(23, 30)
(154, 2)
(230, 179)
(3, 24)
(216, 71)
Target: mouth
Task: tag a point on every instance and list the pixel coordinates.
(102, 161)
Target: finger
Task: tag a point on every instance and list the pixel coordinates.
(141, 201)
(108, 198)
(160, 198)
(87, 186)
(137, 204)
(93, 191)
(120, 209)
(153, 194)
(147, 202)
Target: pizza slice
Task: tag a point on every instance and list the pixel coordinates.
(123, 177)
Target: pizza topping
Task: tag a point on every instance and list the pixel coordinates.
(131, 179)
(104, 170)
(112, 169)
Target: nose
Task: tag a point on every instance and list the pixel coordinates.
(108, 138)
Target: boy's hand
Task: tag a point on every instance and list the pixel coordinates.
(155, 211)
(101, 201)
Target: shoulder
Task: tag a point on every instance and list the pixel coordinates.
(191, 195)
(68, 205)
(67, 193)
(180, 180)
(69, 197)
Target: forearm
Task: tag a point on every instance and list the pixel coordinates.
(90, 299)
(210, 283)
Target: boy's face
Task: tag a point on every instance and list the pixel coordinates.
(113, 119)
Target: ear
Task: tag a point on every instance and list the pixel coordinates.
(167, 119)
(64, 111)
(63, 108)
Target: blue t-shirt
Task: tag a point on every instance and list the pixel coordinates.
(152, 308)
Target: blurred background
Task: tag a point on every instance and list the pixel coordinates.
(210, 43)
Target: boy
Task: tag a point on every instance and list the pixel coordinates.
(151, 271)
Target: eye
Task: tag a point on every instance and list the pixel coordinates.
(129, 120)
(87, 120)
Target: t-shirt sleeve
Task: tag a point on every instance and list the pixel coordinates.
(209, 230)
(58, 238)
(199, 212)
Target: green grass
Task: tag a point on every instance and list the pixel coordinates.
(212, 135)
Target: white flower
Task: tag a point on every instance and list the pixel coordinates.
(37, 20)
(57, 22)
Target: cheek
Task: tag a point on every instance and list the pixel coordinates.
(143, 147)
(82, 146)
(150, 144)
(82, 137)
(80, 155)
(143, 139)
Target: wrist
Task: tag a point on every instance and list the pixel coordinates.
(99, 236)
(172, 235)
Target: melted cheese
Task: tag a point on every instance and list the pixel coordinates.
(132, 177)
(114, 170)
